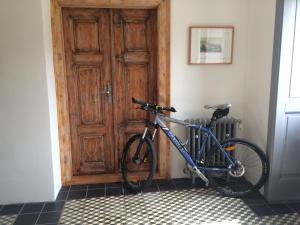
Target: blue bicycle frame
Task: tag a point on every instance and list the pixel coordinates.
(159, 120)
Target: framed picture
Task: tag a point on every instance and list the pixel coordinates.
(211, 45)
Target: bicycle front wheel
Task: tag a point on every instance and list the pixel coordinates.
(138, 163)
(248, 175)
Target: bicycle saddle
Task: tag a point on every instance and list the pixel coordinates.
(216, 107)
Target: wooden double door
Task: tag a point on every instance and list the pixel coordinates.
(111, 56)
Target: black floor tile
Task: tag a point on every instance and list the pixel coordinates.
(96, 186)
(262, 210)
(32, 208)
(54, 206)
(294, 206)
(62, 196)
(65, 188)
(128, 192)
(11, 209)
(165, 185)
(255, 199)
(95, 193)
(199, 183)
(151, 188)
(114, 191)
(153, 183)
(78, 188)
(114, 185)
(182, 183)
(240, 187)
(76, 195)
(48, 218)
(27, 219)
(280, 209)
(53, 224)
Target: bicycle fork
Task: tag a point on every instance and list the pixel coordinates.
(136, 157)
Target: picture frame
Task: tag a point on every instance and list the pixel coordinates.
(211, 45)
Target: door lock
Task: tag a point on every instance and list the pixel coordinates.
(108, 92)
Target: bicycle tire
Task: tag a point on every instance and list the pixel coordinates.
(252, 188)
(140, 185)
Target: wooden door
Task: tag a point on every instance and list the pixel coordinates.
(134, 68)
(115, 50)
(87, 48)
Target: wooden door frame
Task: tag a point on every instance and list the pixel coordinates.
(163, 80)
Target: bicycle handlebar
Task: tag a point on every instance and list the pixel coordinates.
(153, 107)
(135, 101)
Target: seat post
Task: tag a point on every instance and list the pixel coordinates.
(212, 122)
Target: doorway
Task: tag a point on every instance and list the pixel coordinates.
(284, 122)
(104, 56)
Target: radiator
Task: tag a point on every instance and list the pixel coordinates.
(225, 128)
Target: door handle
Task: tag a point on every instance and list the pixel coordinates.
(108, 92)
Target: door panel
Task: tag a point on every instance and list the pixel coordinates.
(134, 66)
(87, 46)
(135, 76)
(290, 165)
(89, 82)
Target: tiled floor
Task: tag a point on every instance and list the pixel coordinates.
(164, 202)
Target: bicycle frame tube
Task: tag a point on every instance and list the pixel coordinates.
(184, 152)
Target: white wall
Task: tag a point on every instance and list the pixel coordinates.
(245, 83)
(51, 96)
(261, 24)
(28, 154)
(194, 86)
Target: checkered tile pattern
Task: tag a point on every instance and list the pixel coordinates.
(7, 220)
(196, 206)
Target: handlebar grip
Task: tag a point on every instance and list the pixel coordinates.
(172, 109)
(135, 101)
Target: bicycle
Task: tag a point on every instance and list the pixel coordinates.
(245, 170)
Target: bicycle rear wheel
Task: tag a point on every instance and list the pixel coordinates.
(138, 163)
(248, 176)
